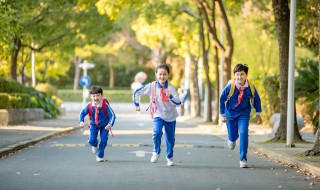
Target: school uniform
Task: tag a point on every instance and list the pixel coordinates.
(165, 114)
(237, 111)
(97, 124)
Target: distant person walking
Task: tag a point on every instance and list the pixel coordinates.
(102, 118)
(236, 101)
(164, 99)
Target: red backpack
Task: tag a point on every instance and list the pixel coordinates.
(104, 107)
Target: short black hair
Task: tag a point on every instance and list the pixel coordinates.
(241, 67)
(163, 66)
(96, 90)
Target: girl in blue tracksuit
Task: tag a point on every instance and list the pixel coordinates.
(166, 100)
(236, 111)
(102, 119)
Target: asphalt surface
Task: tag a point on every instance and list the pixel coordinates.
(53, 154)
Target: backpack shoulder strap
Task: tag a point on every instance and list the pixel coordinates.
(251, 88)
(90, 110)
(153, 90)
(233, 85)
(104, 107)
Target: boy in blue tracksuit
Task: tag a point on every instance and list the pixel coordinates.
(166, 100)
(235, 110)
(102, 119)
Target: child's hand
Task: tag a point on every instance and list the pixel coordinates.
(223, 119)
(138, 108)
(108, 127)
(81, 124)
(258, 119)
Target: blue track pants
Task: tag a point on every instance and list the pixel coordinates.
(236, 127)
(170, 128)
(93, 140)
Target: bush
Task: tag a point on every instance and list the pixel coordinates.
(47, 88)
(4, 99)
(45, 102)
(14, 101)
(19, 100)
(10, 86)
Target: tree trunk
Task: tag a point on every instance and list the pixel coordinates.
(194, 88)
(316, 148)
(282, 21)
(14, 58)
(230, 44)
(208, 112)
(217, 87)
(111, 72)
(296, 134)
(76, 78)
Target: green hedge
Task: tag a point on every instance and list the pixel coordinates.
(15, 100)
(4, 99)
(9, 86)
(111, 94)
(14, 95)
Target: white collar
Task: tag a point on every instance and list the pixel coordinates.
(239, 85)
(96, 105)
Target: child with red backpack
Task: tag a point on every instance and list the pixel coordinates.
(236, 101)
(163, 102)
(101, 118)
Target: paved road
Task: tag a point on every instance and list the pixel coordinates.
(202, 162)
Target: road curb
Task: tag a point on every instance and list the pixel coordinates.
(286, 158)
(23, 144)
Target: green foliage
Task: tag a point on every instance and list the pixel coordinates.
(15, 100)
(19, 101)
(47, 88)
(269, 92)
(307, 34)
(4, 99)
(10, 86)
(120, 95)
(307, 89)
(45, 102)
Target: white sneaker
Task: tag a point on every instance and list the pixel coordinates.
(231, 145)
(170, 162)
(154, 157)
(243, 164)
(94, 149)
(98, 159)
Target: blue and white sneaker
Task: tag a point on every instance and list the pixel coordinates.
(170, 162)
(231, 145)
(94, 149)
(154, 157)
(243, 163)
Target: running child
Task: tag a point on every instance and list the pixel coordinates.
(236, 101)
(102, 118)
(165, 99)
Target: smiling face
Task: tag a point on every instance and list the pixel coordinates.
(96, 98)
(162, 75)
(240, 77)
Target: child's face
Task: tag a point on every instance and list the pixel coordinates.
(240, 77)
(96, 98)
(162, 75)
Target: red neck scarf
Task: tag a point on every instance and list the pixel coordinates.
(241, 89)
(163, 95)
(96, 118)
